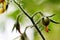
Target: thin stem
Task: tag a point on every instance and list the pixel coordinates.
(31, 20)
(36, 14)
(52, 15)
(28, 27)
(22, 9)
(37, 29)
(55, 22)
(38, 21)
(18, 17)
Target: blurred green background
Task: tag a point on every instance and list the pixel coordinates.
(45, 6)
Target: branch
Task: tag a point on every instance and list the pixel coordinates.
(31, 20)
(36, 14)
(37, 29)
(22, 9)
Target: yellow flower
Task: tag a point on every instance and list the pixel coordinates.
(4, 6)
(1, 10)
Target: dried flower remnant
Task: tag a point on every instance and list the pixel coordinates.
(24, 36)
(17, 25)
(46, 20)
